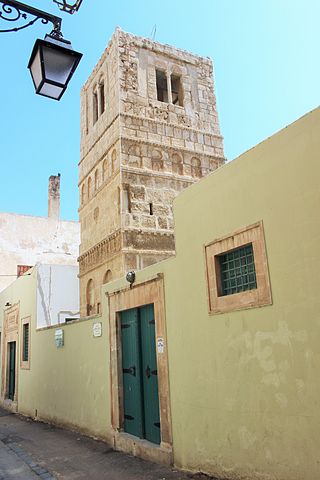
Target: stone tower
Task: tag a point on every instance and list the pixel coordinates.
(149, 128)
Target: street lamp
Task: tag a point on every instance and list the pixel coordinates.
(53, 61)
(52, 64)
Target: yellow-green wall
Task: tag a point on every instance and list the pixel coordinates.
(244, 386)
(68, 385)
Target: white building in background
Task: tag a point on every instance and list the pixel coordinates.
(26, 240)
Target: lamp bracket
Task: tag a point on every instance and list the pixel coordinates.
(13, 11)
(68, 7)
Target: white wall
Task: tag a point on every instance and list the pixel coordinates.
(27, 240)
(57, 294)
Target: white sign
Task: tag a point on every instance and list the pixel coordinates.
(58, 337)
(160, 344)
(97, 329)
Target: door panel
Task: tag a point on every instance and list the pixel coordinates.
(131, 373)
(12, 370)
(149, 374)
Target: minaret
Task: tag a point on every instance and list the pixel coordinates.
(149, 129)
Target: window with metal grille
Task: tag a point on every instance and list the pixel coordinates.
(237, 270)
(25, 351)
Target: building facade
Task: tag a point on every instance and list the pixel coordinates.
(26, 240)
(149, 129)
(225, 335)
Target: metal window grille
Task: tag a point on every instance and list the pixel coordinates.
(25, 353)
(237, 270)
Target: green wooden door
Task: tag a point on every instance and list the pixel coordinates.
(140, 377)
(12, 370)
(150, 374)
(131, 370)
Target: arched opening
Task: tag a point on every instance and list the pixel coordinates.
(157, 161)
(105, 169)
(113, 160)
(90, 297)
(177, 166)
(89, 187)
(96, 180)
(83, 194)
(196, 167)
(107, 276)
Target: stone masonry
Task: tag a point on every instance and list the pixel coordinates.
(149, 129)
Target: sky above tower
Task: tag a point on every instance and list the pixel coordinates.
(266, 72)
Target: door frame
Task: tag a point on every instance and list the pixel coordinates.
(150, 291)
(10, 334)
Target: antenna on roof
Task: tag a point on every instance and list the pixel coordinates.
(153, 32)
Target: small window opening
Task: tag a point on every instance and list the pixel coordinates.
(25, 350)
(176, 90)
(102, 103)
(162, 87)
(127, 200)
(98, 307)
(151, 208)
(95, 107)
(237, 271)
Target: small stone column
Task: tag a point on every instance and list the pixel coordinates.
(54, 197)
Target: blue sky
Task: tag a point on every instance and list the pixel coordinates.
(267, 74)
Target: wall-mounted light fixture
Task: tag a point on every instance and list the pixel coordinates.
(8, 304)
(52, 62)
(130, 277)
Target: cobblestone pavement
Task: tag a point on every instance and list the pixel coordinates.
(31, 450)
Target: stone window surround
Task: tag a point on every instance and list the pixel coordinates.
(169, 70)
(97, 91)
(258, 297)
(25, 364)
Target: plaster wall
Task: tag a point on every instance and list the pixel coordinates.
(244, 386)
(57, 294)
(27, 240)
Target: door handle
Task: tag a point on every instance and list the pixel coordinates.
(131, 370)
(150, 372)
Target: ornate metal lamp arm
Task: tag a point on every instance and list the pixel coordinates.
(11, 11)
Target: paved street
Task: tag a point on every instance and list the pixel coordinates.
(31, 450)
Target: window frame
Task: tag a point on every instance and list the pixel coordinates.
(25, 364)
(257, 297)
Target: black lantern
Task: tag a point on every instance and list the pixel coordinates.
(52, 64)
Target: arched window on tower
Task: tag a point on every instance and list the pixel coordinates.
(177, 166)
(196, 167)
(90, 297)
(114, 160)
(96, 180)
(105, 169)
(107, 276)
(89, 188)
(94, 106)
(156, 160)
(83, 194)
(101, 96)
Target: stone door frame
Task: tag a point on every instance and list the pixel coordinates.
(10, 334)
(148, 292)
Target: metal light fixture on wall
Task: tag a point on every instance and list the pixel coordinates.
(52, 62)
